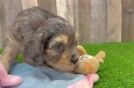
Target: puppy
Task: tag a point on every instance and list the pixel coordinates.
(45, 38)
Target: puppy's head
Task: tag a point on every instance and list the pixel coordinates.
(59, 44)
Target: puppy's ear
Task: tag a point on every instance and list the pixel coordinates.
(34, 49)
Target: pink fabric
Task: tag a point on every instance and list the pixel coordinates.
(88, 82)
(8, 80)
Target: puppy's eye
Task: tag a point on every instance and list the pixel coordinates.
(58, 46)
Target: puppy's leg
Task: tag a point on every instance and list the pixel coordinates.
(10, 53)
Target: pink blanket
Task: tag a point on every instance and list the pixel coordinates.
(88, 82)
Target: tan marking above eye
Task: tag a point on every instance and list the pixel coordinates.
(60, 38)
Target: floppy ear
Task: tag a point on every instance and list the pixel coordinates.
(33, 52)
(34, 49)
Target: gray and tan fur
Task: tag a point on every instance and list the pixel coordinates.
(45, 38)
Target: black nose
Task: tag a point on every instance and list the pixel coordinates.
(74, 58)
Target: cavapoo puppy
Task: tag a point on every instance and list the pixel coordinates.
(45, 38)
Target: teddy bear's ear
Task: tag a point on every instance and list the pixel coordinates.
(101, 55)
(81, 50)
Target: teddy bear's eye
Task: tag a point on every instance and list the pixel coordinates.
(82, 58)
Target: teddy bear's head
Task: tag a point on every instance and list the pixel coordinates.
(89, 64)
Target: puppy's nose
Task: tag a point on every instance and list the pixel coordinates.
(74, 58)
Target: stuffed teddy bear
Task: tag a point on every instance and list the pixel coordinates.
(88, 63)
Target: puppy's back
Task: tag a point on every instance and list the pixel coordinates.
(27, 22)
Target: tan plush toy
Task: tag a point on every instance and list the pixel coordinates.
(88, 63)
(81, 50)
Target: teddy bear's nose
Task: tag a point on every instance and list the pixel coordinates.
(74, 58)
